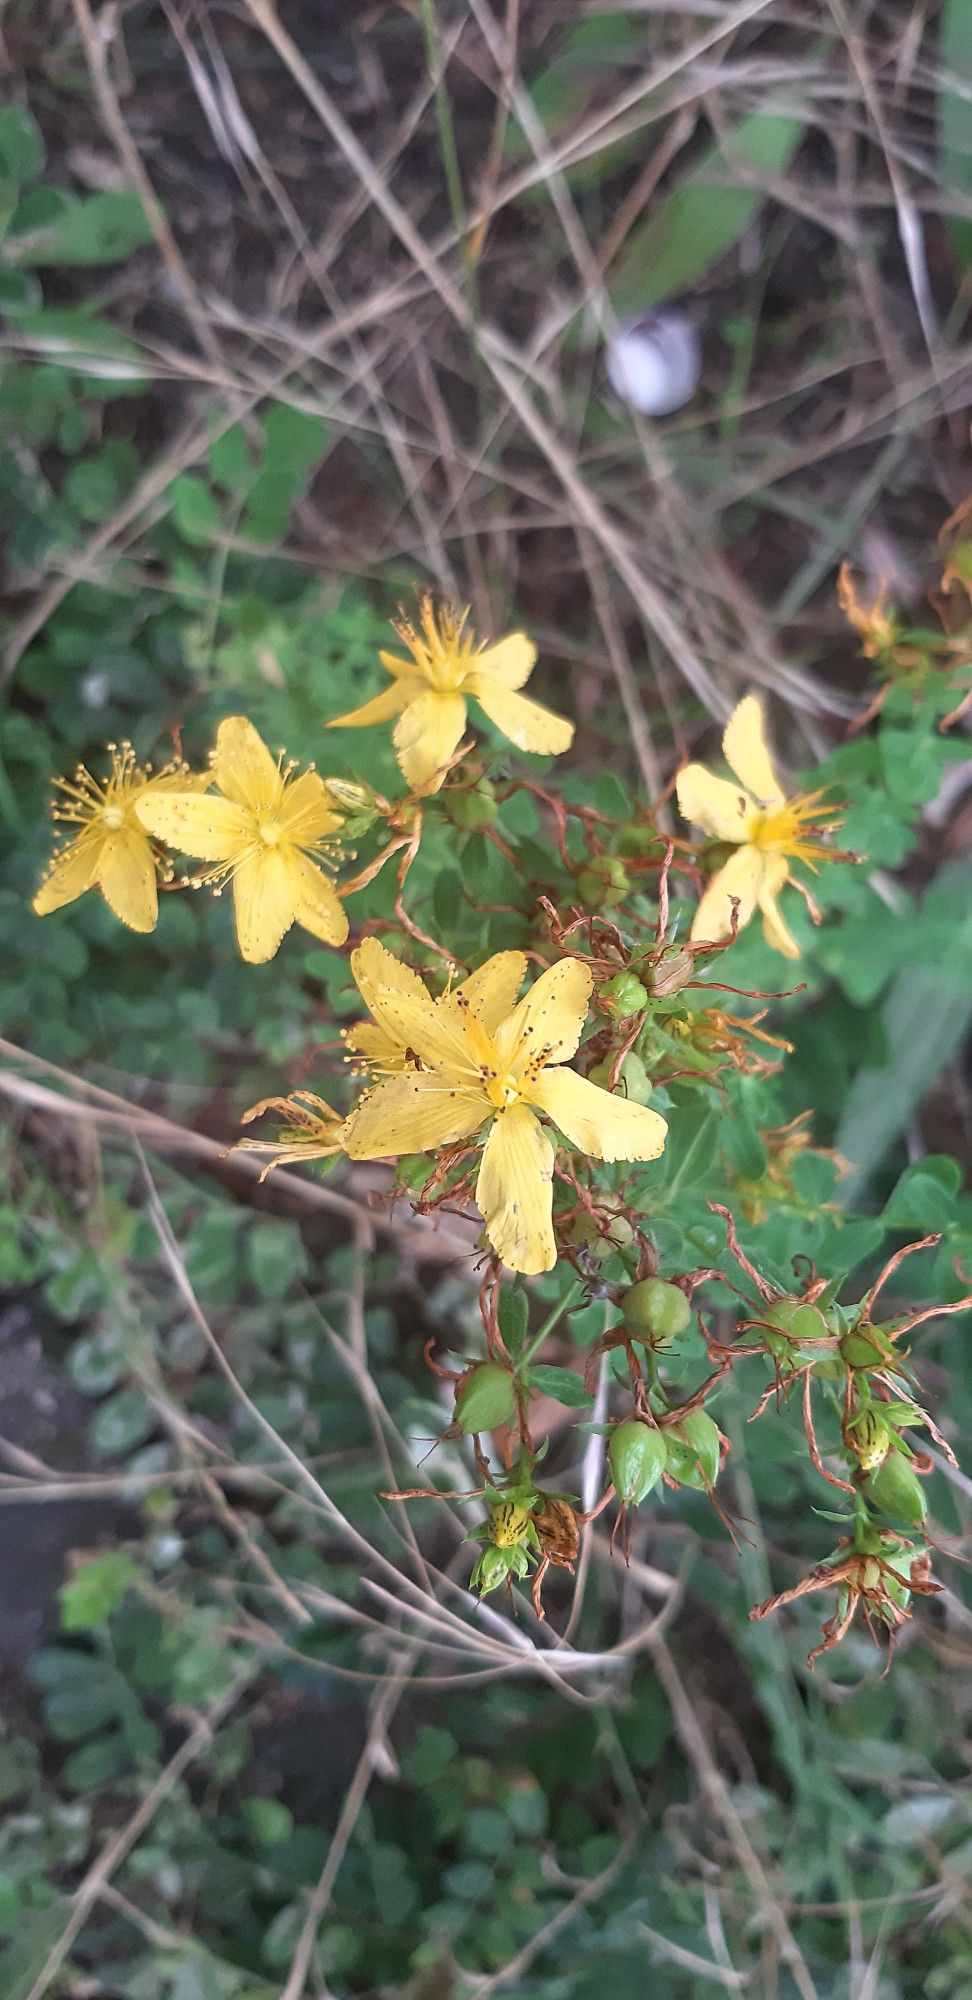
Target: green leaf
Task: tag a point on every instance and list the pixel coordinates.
(87, 229)
(955, 119)
(705, 216)
(194, 510)
(96, 1590)
(275, 1257)
(514, 1315)
(21, 145)
(561, 1383)
(81, 341)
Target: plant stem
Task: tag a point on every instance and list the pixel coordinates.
(573, 1293)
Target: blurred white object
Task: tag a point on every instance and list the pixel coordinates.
(654, 364)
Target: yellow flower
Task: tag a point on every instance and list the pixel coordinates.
(767, 829)
(383, 981)
(429, 691)
(479, 1056)
(112, 852)
(312, 1131)
(266, 830)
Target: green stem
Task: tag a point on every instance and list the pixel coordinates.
(573, 1294)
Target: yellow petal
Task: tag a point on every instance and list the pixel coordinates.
(491, 990)
(720, 808)
(426, 735)
(380, 1052)
(412, 1114)
(774, 929)
(127, 879)
(389, 702)
(73, 870)
(525, 722)
(314, 901)
(307, 812)
(606, 1127)
(745, 751)
(510, 662)
(263, 903)
(514, 1191)
(211, 828)
(740, 877)
(393, 663)
(550, 1018)
(405, 1010)
(243, 767)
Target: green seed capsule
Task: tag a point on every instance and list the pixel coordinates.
(601, 1235)
(636, 1454)
(656, 1311)
(671, 971)
(635, 840)
(604, 881)
(896, 1489)
(623, 995)
(693, 1454)
(492, 1569)
(633, 1082)
(863, 1347)
(788, 1323)
(485, 1398)
(474, 809)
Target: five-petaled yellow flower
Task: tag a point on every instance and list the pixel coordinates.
(429, 692)
(311, 1130)
(767, 829)
(475, 1055)
(112, 852)
(267, 831)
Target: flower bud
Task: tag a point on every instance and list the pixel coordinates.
(492, 1568)
(636, 1455)
(508, 1524)
(473, 808)
(656, 1312)
(349, 797)
(622, 996)
(896, 1489)
(692, 1451)
(869, 1438)
(485, 1398)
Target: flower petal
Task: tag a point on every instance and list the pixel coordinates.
(775, 930)
(73, 869)
(389, 702)
(514, 1192)
(211, 828)
(127, 879)
(263, 903)
(316, 904)
(525, 722)
(745, 751)
(720, 808)
(415, 1113)
(307, 812)
(510, 662)
(243, 767)
(606, 1127)
(549, 1019)
(740, 877)
(492, 989)
(426, 735)
(380, 1052)
(406, 1012)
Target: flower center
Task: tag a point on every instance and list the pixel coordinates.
(774, 832)
(114, 817)
(502, 1091)
(271, 831)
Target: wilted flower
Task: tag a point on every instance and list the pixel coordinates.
(311, 1130)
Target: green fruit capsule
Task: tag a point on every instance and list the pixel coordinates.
(623, 995)
(672, 970)
(636, 1455)
(485, 1398)
(656, 1311)
(633, 1082)
(604, 881)
(601, 1235)
(897, 1490)
(474, 809)
(788, 1323)
(693, 1455)
(863, 1347)
(492, 1568)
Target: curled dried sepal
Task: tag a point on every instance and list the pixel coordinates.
(879, 1573)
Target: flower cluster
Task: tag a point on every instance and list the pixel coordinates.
(522, 1086)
